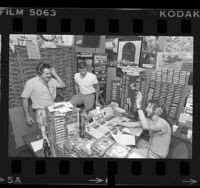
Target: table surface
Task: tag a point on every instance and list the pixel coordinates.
(36, 135)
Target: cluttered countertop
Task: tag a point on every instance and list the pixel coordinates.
(98, 133)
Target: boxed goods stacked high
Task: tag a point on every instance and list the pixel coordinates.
(60, 127)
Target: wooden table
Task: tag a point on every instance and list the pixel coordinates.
(31, 137)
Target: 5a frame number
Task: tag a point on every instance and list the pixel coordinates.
(14, 180)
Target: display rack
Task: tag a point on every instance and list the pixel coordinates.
(115, 90)
(167, 87)
(100, 69)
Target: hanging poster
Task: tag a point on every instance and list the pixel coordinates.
(169, 61)
(33, 51)
(129, 52)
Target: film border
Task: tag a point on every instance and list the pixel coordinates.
(187, 169)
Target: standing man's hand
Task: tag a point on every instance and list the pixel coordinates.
(98, 104)
(139, 99)
(53, 71)
(29, 121)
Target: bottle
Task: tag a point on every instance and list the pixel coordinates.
(46, 148)
(82, 123)
(97, 110)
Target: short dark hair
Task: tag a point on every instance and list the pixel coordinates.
(82, 65)
(41, 66)
(154, 102)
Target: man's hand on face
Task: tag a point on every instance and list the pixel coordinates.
(53, 71)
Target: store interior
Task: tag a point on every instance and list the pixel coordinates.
(160, 67)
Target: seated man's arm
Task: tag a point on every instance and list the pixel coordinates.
(130, 124)
(148, 124)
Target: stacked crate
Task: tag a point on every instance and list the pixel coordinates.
(61, 127)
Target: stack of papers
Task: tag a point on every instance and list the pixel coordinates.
(37, 145)
(133, 131)
(62, 107)
(124, 139)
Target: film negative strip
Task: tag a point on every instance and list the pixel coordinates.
(55, 36)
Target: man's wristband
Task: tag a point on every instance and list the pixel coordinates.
(139, 108)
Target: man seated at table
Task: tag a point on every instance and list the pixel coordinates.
(87, 89)
(159, 129)
(42, 91)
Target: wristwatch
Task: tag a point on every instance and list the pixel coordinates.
(139, 108)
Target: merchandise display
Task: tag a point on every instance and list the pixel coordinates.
(167, 86)
(129, 87)
(100, 146)
(115, 89)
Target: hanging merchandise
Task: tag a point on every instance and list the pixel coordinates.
(67, 40)
(48, 44)
(33, 51)
(169, 61)
(100, 68)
